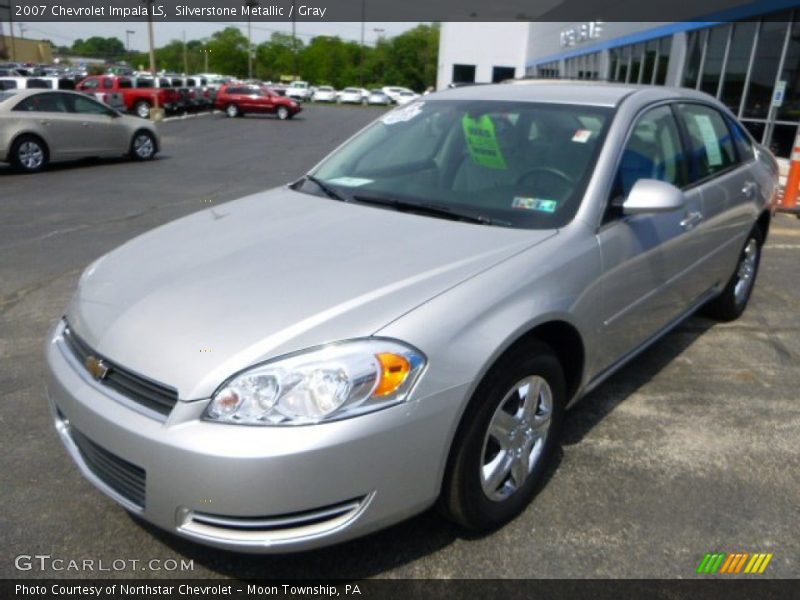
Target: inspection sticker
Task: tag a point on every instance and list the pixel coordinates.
(540, 204)
(582, 136)
(405, 113)
(350, 181)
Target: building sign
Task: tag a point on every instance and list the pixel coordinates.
(579, 34)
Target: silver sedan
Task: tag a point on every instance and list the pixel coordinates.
(406, 325)
(39, 126)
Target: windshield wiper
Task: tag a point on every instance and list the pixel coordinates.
(425, 209)
(329, 191)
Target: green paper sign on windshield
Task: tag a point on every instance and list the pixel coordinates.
(482, 142)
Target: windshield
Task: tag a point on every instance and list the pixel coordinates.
(516, 164)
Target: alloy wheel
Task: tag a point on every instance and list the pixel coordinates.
(31, 155)
(746, 272)
(515, 438)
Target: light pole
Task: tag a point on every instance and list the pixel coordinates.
(128, 34)
(361, 55)
(206, 52)
(156, 113)
(251, 4)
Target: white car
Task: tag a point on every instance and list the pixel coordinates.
(324, 93)
(394, 91)
(351, 95)
(299, 90)
(405, 97)
(378, 97)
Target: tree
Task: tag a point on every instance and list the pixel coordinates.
(109, 48)
(279, 56)
(229, 52)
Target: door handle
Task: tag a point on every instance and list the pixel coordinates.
(691, 220)
(749, 189)
(44, 122)
(84, 124)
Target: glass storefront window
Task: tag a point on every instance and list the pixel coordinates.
(623, 64)
(765, 65)
(636, 64)
(783, 140)
(649, 65)
(694, 55)
(715, 54)
(756, 129)
(613, 61)
(664, 49)
(738, 60)
(790, 110)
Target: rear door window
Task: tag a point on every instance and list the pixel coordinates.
(711, 146)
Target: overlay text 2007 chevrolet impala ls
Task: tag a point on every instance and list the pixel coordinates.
(405, 325)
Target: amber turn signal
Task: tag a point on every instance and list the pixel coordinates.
(394, 370)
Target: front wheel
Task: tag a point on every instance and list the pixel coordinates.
(143, 146)
(730, 304)
(283, 113)
(232, 111)
(506, 439)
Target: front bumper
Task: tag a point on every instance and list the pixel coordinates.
(255, 489)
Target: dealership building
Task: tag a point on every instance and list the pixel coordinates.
(750, 60)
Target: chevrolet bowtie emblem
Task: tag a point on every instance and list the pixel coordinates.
(96, 367)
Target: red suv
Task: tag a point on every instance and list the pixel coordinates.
(237, 99)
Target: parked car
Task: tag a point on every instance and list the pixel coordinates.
(378, 97)
(237, 100)
(139, 94)
(42, 126)
(405, 97)
(324, 93)
(394, 91)
(299, 90)
(351, 95)
(406, 325)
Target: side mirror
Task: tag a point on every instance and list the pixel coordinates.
(653, 196)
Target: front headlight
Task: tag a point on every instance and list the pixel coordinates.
(325, 384)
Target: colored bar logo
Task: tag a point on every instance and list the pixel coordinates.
(734, 563)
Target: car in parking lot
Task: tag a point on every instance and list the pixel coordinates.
(394, 91)
(351, 95)
(324, 93)
(378, 97)
(238, 99)
(299, 90)
(42, 126)
(139, 94)
(405, 97)
(407, 324)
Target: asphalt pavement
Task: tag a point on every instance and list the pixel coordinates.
(692, 448)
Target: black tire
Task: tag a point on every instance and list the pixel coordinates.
(142, 109)
(29, 154)
(283, 113)
(143, 146)
(732, 302)
(464, 499)
(233, 111)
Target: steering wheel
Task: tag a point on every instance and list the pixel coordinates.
(552, 171)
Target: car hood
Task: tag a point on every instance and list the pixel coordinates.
(196, 300)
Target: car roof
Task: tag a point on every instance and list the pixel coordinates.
(20, 94)
(590, 93)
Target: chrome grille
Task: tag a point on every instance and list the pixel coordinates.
(148, 393)
(123, 477)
